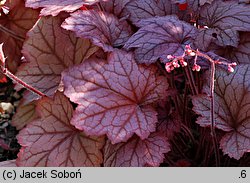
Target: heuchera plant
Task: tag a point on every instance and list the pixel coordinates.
(129, 82)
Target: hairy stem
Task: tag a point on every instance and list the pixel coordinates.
(172, 84)
(190, 84)
(19, 81)
(191, 76)
(213, 133)
(212, 121)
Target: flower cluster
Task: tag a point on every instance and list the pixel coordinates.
(175, 62)
(179, 61)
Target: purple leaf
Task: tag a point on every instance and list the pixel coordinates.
(235, 144)
(202, 2)
(104, 29)
(114, 96)
(241, 54)
(244, 1)
(136, 152)
(214, 35)
(49, 50)
(143, 9)
(232, 95)
(24, 114)
(54, 7)
(168, 122)
(18, 21)
(159, 37)
(225, 19)
(53, 141)
(116, 7)
(226, 15)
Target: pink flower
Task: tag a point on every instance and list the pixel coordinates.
(170, 57)
(196, 68)
(175, 64)
(183, 62)
(230, 69)
(169, 67)
(189, 51)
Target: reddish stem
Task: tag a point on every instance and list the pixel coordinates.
(19, 81)
(213, 133)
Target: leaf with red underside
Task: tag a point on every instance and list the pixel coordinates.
(232, 96)
(53, 141)
(14, 26)
(136, 152)
(54, 7)
(104, 29)
(114, 96)
(24, 114)
(159, 37)
(49, 50)
(225, 18)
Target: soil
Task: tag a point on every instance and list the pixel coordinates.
(9, 100)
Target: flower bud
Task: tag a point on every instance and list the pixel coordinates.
(170, 57)
(175, 64)
(230, 69)
(183, 62)
(233, 64)
(196, 68)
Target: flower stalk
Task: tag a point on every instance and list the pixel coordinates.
(179, 61)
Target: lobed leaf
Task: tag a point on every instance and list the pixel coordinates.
(241, 54)
(159, 37)
(25, 113)
(49, 50)
(53, 141)
(54, 7)
(235, 144)
(232, 95)
(114, 96)
(143, 9)
(214, 35)
(116, 7)
(168, 122)
(103, 29)
(14, 26)
(136, 152)
(225, 18)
